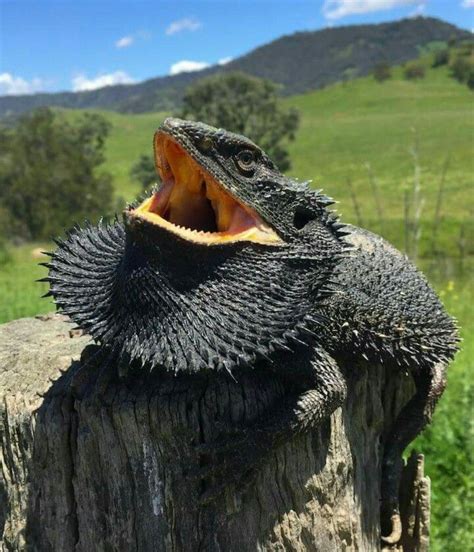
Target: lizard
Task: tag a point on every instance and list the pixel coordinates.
(229, 264)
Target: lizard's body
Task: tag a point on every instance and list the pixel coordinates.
(274, 280)
(384, 311)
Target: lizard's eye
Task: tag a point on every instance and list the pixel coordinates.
(245, 161)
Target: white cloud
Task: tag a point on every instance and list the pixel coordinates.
(468, 4)
(130, 39)
(186, 24)
(186, 65)
(418, 11)
(124, 42)
(335, 9)
(12, 85)
(224, 60)
(80, 82)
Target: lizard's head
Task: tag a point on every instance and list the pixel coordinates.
(219, 188)
(210, 186)
(220, 265)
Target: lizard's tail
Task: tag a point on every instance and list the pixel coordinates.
(415, 415)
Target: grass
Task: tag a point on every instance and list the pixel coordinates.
(20, 294)
(130, 136)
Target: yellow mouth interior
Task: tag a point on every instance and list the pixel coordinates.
(193, 205)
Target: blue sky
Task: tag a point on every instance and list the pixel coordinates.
(51, 45)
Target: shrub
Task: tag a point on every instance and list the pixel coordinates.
(144, 172)
(414, 71)
(382, 72)
(461, 68)
(470, 79)
(453, 40)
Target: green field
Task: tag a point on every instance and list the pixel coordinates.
(343, 128)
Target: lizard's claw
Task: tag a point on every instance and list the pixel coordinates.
(232, 461)
(221, 476)
(228, 443)
(396, 529)
(217, 489)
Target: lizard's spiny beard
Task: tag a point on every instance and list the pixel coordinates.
(235, 309)
(194, 206)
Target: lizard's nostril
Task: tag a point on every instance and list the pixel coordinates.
(205, 144)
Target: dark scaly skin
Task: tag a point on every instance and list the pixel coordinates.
(327, 292)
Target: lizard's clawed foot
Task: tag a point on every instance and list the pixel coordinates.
(396, 529)
(231, 461)
(94, 375)
(81, 378)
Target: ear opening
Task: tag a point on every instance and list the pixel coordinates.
(302, 216)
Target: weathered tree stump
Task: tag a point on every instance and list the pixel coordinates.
(115, 472)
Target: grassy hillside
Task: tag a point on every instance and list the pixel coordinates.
(346, 126)
(131, 135)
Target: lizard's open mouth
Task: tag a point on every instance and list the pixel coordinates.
(192, 204)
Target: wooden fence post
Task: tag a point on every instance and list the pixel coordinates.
(113, 474)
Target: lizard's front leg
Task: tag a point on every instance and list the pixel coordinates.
(319, 389)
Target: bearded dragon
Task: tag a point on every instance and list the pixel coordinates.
(230, 264)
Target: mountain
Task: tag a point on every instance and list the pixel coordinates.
(299, 62)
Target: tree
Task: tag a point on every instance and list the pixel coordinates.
(470, 79)
(48, 173)
(382, 72)
(453, 40)
(461, 68)
(144, 171)
(441, 57)
(246, 105)
(414, 70)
